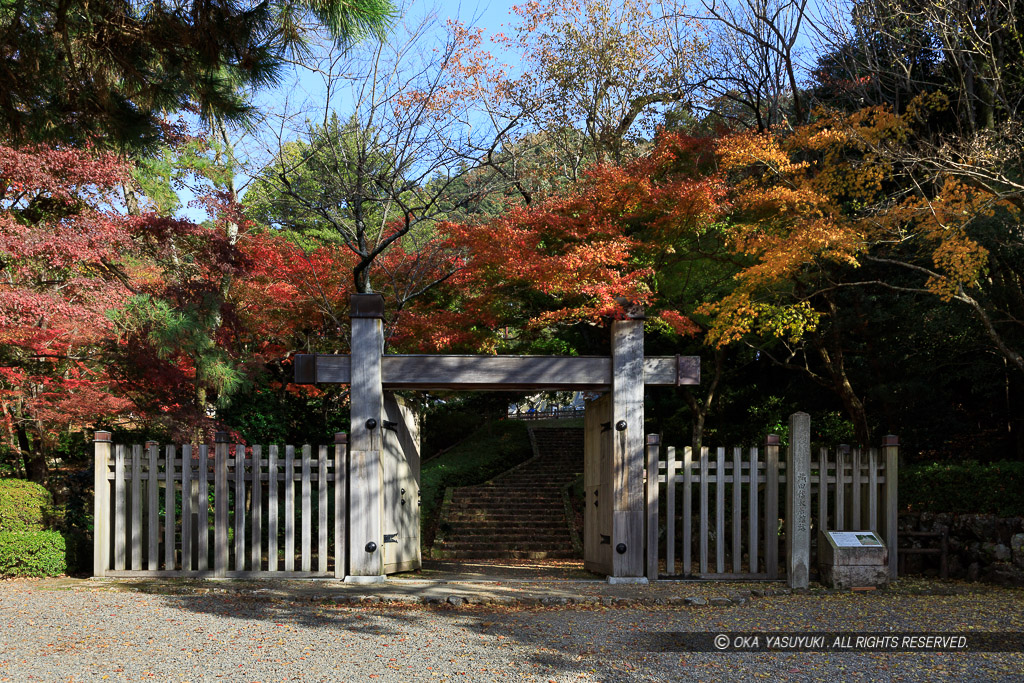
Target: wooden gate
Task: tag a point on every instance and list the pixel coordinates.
(226, 511)
(597, 486)
(400, 449)
(718, 515)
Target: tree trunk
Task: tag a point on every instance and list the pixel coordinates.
(36, 469)
(701, 407)
(836, 369)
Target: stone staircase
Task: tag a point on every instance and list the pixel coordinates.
(520, 514)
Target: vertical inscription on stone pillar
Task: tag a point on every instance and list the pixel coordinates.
(798, 501)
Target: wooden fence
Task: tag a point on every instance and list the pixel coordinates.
(718, 515)
(226, 511)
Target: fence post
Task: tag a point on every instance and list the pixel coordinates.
(340, 504)
(653, 448)
(771, 506)
(798, 501)
(153, 509)
(101, 505)
(891, 451)
(220, 503)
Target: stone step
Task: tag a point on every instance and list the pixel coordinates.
(520, 514)
(503, 541)
(503, 554)
(501, 494)
(504, 547)
(485, 526)
(511, 503)
(556, 537)
(478, 516)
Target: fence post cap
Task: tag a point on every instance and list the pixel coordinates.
(151, 442)
(340, 437)
(772, 440)
(890, 440)
(844, 447)
(101, 437)
(220, 437)
(653, 439)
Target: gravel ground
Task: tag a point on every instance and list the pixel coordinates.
(50, 632)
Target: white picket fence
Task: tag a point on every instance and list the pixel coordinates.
(718, 515)
(225, 511)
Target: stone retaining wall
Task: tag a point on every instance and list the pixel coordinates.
(981, 547)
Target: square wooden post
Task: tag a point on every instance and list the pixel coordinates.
(891, 453)
(798, 501)
(101, 505)
(653, 454)
(366, 533)
(220, 504)
(627, 495)
(771, 506)
(340, 505)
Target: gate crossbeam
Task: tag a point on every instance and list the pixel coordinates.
(496, 373)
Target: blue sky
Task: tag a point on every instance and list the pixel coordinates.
(304, 85)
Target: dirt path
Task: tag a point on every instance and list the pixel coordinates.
(53, 631)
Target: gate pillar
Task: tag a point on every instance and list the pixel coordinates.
(366, 476)
(627, 449)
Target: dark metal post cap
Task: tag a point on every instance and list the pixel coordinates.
(220, 437)
(890, 440)
(102, 437)
(340, 437)
(366, 305)
(653, 439)
(772, 440)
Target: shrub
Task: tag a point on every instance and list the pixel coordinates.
(964, 487)
(31, 553)
(24, 505)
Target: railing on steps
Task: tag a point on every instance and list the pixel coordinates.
(552, 413)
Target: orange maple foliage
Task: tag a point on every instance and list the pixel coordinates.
(572, 257)
(827, 195)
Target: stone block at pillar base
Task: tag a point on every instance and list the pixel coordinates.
(627, 579)
(378, 578)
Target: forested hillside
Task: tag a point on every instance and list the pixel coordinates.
(823, 202)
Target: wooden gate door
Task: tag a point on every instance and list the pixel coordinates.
(401, 464)
(597, 485)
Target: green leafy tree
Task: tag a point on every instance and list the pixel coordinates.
(109, 69)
